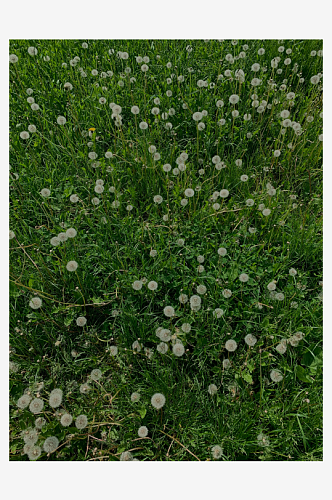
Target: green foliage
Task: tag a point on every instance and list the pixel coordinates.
(48, 347)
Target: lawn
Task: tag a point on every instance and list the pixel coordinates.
(165, 250)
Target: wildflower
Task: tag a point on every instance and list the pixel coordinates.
(263, 440)
(250, 340)
(36, 405)
(266, 212)
(250, 202)
(143, 431)
(222, 251)
(153, 253)
(71, 232)
(281, 348)
(292, 272)
(197, 116)
(113, 350)
(276, 376)
(66, 419)
(226, 364)
(189, 192)
(35, 303)
(32, 51)
(201, 289)
(158, 400)
(152, 285)
(169, 311)
(143, 125)
(136, 346)
(212, 389)
(24, 135)
(162, 348)
(81, 422)
(280, 296)
(135, 397)
(180, 242)
(216, 452)
(244, 277)
(61, 120)
(224, 193)
(244, 178)
(55, 399)
(126, 456)
(164, 334)
(227, 293)
(231, 345)
(183, 298)
(158, 199)
(271, 286)
(234, 99)
(72, 266)
(45, 193)
(74, 198)
(24, 401)
(137, 285)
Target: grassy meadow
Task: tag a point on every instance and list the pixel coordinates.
(165, 238)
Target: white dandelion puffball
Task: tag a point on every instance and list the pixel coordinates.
(281, 348)
(24, 135)
(201, 126)
(250, 340)
(50, 444)
(250, 202)
(189, 192)
(34, 107)
(55, 399)
(217, 313)
(61, 120)
(222, 251)
(244, 178)
(169, 311)
(158, 400)
(183, 298)
(71, 232)
(162, 348)
(96, 374)
(200, 259)
(24, 401)
(126, 456)
(244, 277)
(74, 198)
(186, 327)
(234, 99)
(72, 266)
(11, 235)
(32, 128)
(178, 349)
(45, 193)
(143, 431)
(135, 397)
(220, 103)
(113, 350)
(224, 193)
(32, 51)
(137, 285)
(81, 321)
(216, 452)
(81, 422)
(271, 286)
(158, 199)
(292, 272)
(201, 289)
(226, 364)
(266, 212)
(231, 345)
(212, 389)
(164, 334)
(36, 405)
(152, 285)
(167, 167)
(263, 440)
(180, 242)
(62, 237)
(279, 296)
(143, 125)
(227, 293)
(144, 68)
(66, 420)
(35, 303)
(197, 116)
(195, 301)
(13, 58)
(153, 253)
(276, 376)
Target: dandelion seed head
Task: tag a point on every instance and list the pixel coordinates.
(158, 400)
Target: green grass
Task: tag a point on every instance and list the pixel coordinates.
(112, 248)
